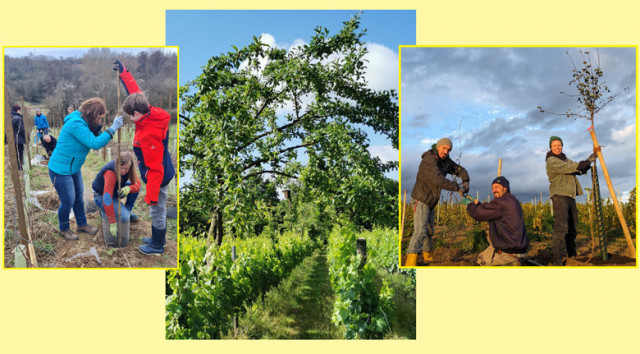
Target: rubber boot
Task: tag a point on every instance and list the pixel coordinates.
(156, 247)
(148, 240)
(426, 257)
(411, 260)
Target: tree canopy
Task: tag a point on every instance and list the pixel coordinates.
(266, 115)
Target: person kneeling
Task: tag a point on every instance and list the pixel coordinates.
(49, 143)
(507, 233)
(105, 192)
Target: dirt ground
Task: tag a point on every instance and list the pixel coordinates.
(445, 254)
(53, 251)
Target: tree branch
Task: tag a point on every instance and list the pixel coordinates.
(254, 174)
(280, 152)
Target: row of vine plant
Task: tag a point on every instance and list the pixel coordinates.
(363, 299)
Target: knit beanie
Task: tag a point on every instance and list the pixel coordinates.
(501, 181)
(551, 139)
(444, 141)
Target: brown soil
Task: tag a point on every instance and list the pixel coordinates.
(540, 252)
(49, 200)
(52, 250)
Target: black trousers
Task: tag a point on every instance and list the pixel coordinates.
(20, 153)
(565, 227)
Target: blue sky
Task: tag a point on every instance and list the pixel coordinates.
(201, 34)
(485, 100)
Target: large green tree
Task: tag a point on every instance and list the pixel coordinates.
(266, 113)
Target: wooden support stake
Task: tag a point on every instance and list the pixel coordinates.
(404, 212)
(499, 167)
(17, 185)
(117, 197)
(28, 127)
(235, 318)
(605, 171)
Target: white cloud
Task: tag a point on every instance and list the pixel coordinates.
(624, 132)
(427, 142)
(386, 153)
(382, 67)
(269, 39)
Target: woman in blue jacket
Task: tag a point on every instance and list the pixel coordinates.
(80, 133)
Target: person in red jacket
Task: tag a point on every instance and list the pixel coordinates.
(106, 192)
(150, 144)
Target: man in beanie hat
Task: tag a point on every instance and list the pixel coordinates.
(507, 233)
(563, 190)
(435, 165)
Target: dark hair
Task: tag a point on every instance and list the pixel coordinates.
(15, 107)
(91, 110)
(136, 102)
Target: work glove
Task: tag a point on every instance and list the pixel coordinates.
(113, 228)
(124, 191)
(584, 166)
(118, 66)
(461, 191)
(592, 158)
(117, 123)
(465, 186)
(465, 200)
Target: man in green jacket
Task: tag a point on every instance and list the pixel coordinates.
(563, 190)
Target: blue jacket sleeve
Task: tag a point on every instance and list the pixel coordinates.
(81, 132)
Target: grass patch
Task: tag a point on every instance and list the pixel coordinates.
(300, 307)
(403, 318)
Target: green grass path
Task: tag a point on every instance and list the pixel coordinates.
(299, 308)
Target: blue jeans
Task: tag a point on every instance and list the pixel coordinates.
(70, 191)
(422, 229)
(128, 205)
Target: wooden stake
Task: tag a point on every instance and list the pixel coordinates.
(104, 151)
(605, 171)
(404, 211)
(117, 197)
(499, 167)
(17, 185)
(28, 127)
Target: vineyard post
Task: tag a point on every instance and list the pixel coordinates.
(605, 171)
(28, 127)
(235, 317)
(361, 250)
(104, 152)
(438, 212)
(499, 167)
(118, 209)
(404, 211)
(25, 238)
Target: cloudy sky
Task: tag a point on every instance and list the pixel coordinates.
(206, 33)
(485, 100)
(63, 52)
